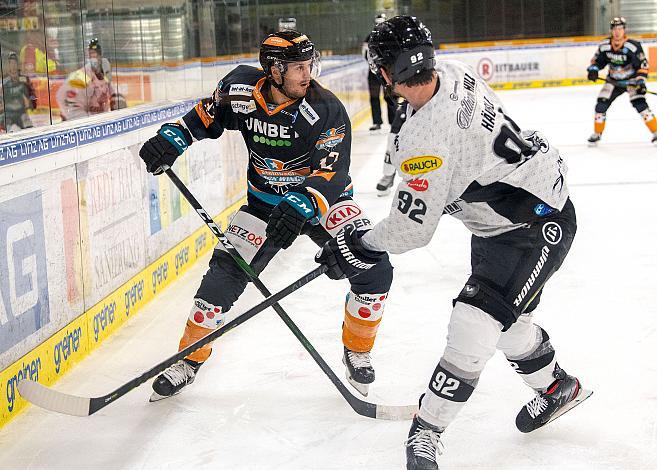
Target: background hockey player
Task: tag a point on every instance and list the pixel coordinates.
(88, 90)
(299, 139)
(384, 186)
(18, 98)
(469, 159)
(374, 86)
(628, 69)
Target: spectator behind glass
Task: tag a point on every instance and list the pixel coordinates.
(18, 98)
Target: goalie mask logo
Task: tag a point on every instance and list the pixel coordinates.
(278, 174)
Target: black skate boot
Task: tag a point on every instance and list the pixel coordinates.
(561, 396)
(385, 184)
(375, 127)
(360, 372)
(423, 446)
(594, 139)
(174, 379)
(654, 139)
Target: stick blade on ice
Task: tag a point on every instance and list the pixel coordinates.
(53, 400)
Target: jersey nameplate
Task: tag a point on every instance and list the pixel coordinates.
(423, 164)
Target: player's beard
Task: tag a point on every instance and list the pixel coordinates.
(296, 92)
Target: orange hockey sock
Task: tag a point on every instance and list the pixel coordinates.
(361, 320)
(191, 335)
(599, 123)
(650, 120)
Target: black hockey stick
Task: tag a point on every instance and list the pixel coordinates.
(361, 407)
(53, 400)
(620, 84)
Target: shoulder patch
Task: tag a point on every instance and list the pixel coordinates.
(308, 112)
(244, 107)
(241, 89)
(422, 164)
(605, 47)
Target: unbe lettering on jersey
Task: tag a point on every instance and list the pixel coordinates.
(267, 128)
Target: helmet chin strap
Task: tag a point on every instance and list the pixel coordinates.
(280, 86)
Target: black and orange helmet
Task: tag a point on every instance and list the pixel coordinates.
(283, 47)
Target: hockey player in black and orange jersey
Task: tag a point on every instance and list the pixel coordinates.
(298, 136)
(628, 69)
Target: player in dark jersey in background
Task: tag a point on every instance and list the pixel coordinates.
(17, 97)
(298, 136)
(628, 69)
(384, 186)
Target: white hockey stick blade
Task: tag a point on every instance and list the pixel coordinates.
(53, 400)
(396, 413)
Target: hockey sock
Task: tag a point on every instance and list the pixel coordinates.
(361, 320)
(203, 319)
(649, 119)
(599, 123)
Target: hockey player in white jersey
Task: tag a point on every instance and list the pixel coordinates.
(459, 153)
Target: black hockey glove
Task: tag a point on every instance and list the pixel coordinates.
(592, 72)
(161, 151)
(289, 216)
(345, 255)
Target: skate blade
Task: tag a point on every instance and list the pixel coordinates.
(157, 397)
(593, 144)
(363, 389)
(581, 396)
(383, 193)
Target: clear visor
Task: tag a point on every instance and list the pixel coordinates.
(313, 66)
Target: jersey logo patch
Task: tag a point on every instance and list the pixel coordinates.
(330, 138)
(240, 89)
(418, 184)
(243, 107)
(278, 174)
(308, 112)
(423, 164)
(341, 214)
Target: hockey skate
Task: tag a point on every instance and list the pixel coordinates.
(360, 373)
(385, 185)
(561, 396)
(423, 446)
(375, 127)
(654, 139)
(594, 139)
(174, 379)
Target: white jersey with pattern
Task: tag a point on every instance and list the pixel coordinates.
(462, 155)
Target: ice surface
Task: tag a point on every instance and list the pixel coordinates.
(262, 403)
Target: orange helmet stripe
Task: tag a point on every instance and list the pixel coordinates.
(276, 41)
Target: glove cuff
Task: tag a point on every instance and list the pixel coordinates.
(304, 204)
(176, 135)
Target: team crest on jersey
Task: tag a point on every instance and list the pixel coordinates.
(423, 164)
(281, 175)
(330, 138)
